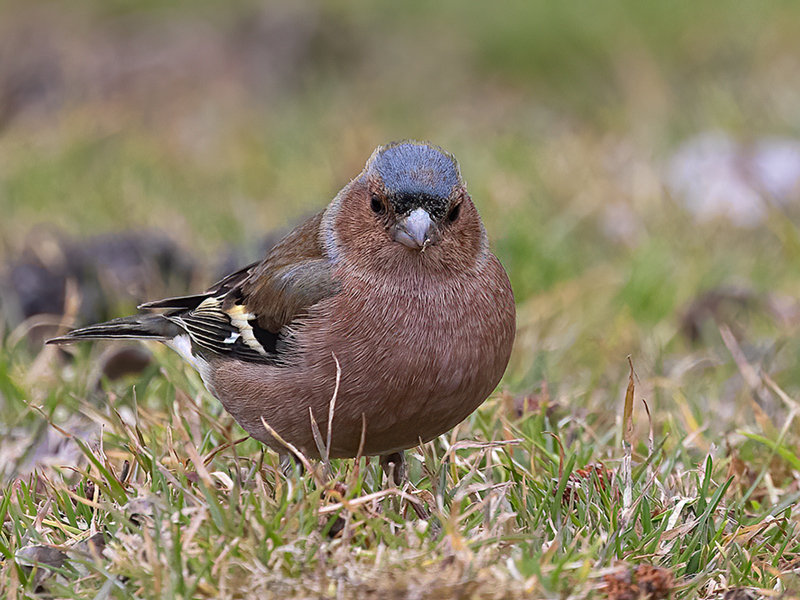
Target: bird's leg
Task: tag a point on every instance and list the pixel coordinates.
(394, 465)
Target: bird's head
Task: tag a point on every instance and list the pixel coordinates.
(414, 188)
(408, 204)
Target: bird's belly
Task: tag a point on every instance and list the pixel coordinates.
(407, 372)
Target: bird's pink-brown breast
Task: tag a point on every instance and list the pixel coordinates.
(422, 332)
(417, 356)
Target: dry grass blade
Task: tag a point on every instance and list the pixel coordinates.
(469, 444)
(627, 414)
(627, 441)
(761, 398)
(199, 465)
(291, 448)
(323, 446)
(785, 398)
(320, 443)
(332, 406)
(361, 500)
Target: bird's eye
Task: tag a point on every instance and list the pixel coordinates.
(454, 212)
(376, 205)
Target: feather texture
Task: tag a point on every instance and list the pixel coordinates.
(394, 284)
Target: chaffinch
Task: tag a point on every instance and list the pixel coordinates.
(393, 284)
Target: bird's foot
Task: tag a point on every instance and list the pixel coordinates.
(394, 465)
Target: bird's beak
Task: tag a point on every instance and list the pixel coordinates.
(415, 231)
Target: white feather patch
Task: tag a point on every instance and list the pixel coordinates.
(231, 338)
(182, 344)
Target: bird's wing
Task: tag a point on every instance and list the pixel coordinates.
(245, 314)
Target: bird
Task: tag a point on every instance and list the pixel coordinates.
(385, 315)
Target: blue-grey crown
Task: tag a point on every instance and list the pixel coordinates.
(416, 174)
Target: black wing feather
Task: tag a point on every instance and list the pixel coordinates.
(222, 287)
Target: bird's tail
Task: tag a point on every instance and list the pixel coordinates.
(138, 327)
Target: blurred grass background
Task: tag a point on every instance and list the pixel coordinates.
(220, 123)
(591, 137)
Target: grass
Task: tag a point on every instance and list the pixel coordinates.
(563, 121)
(187, 508)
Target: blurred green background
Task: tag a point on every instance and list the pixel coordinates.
(628, 158)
